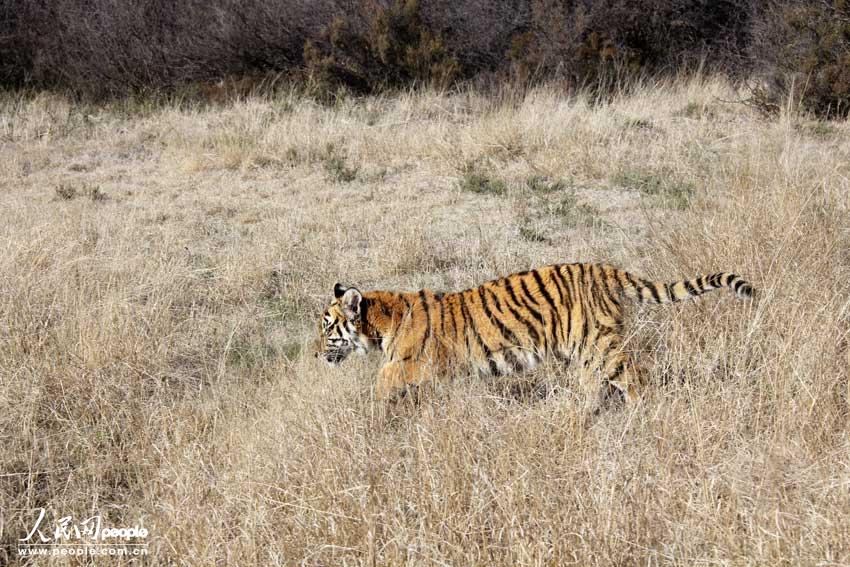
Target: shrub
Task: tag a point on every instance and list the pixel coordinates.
(335, 164)
(15, 54)
(604, 43)
(99, 48)
(105, 48)
(95, 193)
(803, 52)
(482, 183)
(65, 192)
(392, 48)
(338, 170)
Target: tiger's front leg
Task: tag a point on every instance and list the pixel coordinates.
(395, 376)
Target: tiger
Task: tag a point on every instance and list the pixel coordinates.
(570, 312)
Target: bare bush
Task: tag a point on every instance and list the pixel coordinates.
(802, 50)
(107, 47)
(387, 47)
(592, 42)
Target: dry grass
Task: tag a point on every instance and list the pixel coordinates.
(161, 269)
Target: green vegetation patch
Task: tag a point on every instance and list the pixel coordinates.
(336, 166)
(574, 214)
(531, 234)
(482, 183)
(338, 170)
(542, 184)
(666, 189)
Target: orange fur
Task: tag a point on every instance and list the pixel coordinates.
(573, 312)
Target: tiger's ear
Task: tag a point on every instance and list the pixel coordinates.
(339, 289)
(351, 303)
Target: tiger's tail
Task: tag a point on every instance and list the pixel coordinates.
(647, 291)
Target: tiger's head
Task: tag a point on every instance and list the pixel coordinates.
(341, 327)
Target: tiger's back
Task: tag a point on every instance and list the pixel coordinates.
(572, 312)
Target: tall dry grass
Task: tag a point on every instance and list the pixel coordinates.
(161, 269)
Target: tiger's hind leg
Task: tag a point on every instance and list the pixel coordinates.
(619, 373)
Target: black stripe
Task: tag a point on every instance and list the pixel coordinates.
(738, 285)
(466, 326)
(597, 298)
(612, 305)
(690, 288)
(612, 291)
(457, 326)
(715, 280)
(653, 291)
(617, 372)
(575, 301)
(442, 309)
(514, 364)
(563, 302)
(621, 279)
(583, 328)
(444, 304)
(634, 284)
(582, 319)
(607, 304)
(532, 330)
(427, 309)
(530, 304)
(495, 321)
(562, 284)
(599, 278)
(580, 277)
(606, 280)
(612, 346)
(475, 334)
(506, 329)
(668, 287)
(545, 293)
(406, 302)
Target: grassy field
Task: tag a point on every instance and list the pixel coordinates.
(162, 268)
